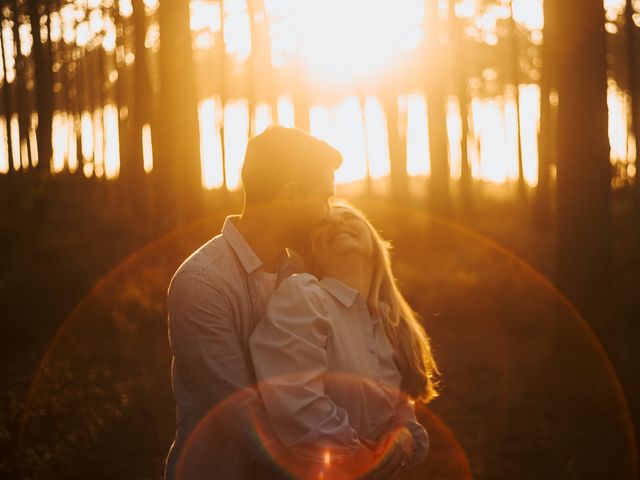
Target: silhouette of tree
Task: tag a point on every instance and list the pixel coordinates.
(7, 89)
(436, 96)
(460, 53)
(178, 166)
(397, 148)
(546, 146)
(41, 52)
(634, 90)
(584, 170)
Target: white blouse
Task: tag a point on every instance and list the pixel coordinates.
(326, 370)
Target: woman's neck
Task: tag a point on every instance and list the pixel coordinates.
(352, 270)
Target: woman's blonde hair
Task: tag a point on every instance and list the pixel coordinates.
(402, 325)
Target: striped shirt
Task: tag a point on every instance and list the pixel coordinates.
(215, 300)
(327, 371)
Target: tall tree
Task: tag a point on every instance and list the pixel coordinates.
(634, 90)
(515, 72)
(140, 111)
(584, 169)
(7, 89)
(546, 146)
(457, 38)
(397, 147)
(43, 81)
(22, 108)
(439, 197)
(178, 165)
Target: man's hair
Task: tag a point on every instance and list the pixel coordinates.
(280, 155)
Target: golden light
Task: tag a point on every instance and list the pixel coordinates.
(125, 8)
(237, 30)
(147, 148)
(327, 458)
(112, 142)
(86, 132)
(530, 126)
(236, 136)
(454, 131)
(418, 161)
(26, 39)
(286, 114)
(9, 52)
(15, 142)
(72, 144)
(109, 36)
(342, 127)
(24, 152)
(55, 26)
(4, 148)
(98, 144)
(377, 142)
(210, 144)
(261, 118)
(338, 43)
(58, 140)
(618, 103)
(33, 139)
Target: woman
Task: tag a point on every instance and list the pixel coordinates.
(340, 355)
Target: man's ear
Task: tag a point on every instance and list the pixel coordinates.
(290, 191)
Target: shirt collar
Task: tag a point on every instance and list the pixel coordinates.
(245, 253)
(343, 293)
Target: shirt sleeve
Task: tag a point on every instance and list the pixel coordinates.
(405, 416)
(289, 354)
(208, 350)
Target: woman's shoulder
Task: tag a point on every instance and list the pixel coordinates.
(301, 281)
(300, 289)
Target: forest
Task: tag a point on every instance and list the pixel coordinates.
(495, 143)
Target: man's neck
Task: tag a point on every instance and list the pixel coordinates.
(263, 236)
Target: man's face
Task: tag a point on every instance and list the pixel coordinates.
(309, 209)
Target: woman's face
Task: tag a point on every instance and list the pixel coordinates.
(343, 232)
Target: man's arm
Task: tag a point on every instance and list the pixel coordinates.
(208, 348)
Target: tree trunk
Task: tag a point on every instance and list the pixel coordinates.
(179, 170)
(397, 149)
(439, 199)
(584, 169)
(44, 84)
(634, 90)
(7, 96)
(458, 51)
(515, 72)
(132, 173)
(546, 147)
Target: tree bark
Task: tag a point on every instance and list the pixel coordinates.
(7, 96)
(44, 84)
(457, 38)
(397, 149)
(584, 169)
(178, 167)
(634, 91)
(439, 198)
(546, 146)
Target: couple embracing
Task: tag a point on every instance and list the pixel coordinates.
(294, 353)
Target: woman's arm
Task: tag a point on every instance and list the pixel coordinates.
(288, 352)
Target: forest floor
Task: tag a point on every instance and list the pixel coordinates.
(527, 391)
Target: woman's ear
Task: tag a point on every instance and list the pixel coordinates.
(290, 191)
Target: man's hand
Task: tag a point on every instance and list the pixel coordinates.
(391, 454)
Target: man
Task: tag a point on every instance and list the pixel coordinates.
(218, 296)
